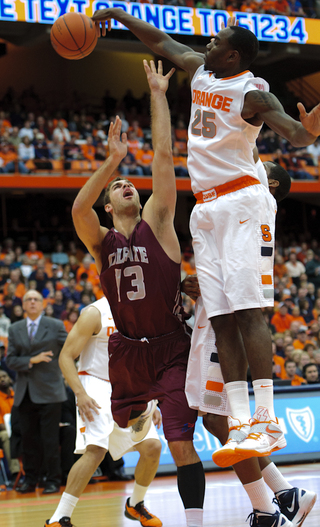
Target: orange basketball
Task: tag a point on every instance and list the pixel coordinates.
(73, 36)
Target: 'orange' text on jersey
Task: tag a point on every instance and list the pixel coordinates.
(218, 102)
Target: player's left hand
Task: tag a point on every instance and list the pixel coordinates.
(310, 121)
(117, 142)
(157, 81)
(157, 418)
(190, 286)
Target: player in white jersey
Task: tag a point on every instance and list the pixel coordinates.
(97, 433)
(206, 393)
(232, 223)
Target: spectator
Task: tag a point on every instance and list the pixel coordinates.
(16, 279)
(180, 163)
(26, 131)
(88, 149)
(304, 359)
(296, 9)
(310, 349)
(43, 128)
(9, 161)
(278, 363)
(280, 268)
(5, 323)
(6, 403)
(311, 373)
(26, 266)
(14, 139)
(71, 291)
(88, 266)
(59, 257)
(49, 312)
(58, 304)
(71, 319)
(71, 151)
(61, 133)
(295, 268)
(17, 313)
(291, 373)
(26, 150)
(282, 7)
(281, 319)
(101, 151)
(134, 143)
(314, 151)
(313, 269)
(40, 277)
(297, 316)
(302, 338)
(129, 166)
(144, 158)
(33, 253)
(42, 153)
(33, 350)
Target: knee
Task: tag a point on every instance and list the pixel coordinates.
(183, 453)
(96, 452)
(150, 450)
(217, 425)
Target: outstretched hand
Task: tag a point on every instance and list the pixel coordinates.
(231, 22)
(103, 17)
(157, 81)
(310, 121)
(117, 142)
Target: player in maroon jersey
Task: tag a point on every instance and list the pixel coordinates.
(139, 265)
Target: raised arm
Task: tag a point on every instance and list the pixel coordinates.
(87, 325)
(159, 210)
(85, 219)
(261, 107)
(158, 41)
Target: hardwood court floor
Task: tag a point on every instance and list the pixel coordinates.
(102, 504)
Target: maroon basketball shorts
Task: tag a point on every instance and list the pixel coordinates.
(152, 369)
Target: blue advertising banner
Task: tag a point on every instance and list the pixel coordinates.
(299, 417)
(170, 19)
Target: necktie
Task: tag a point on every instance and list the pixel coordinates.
(32, 330)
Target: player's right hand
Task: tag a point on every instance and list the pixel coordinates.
(87, 407)
(100, 18)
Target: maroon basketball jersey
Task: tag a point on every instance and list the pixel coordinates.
(141, 283)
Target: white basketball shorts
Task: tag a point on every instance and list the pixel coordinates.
(103, 431)
(205, 389)
(233, 241)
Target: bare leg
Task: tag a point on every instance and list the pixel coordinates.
(81, 472)
(148, 463)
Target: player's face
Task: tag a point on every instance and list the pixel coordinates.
(123, 194)
(218, 52)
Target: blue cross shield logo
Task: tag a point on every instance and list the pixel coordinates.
(301, 422)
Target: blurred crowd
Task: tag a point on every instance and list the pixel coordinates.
(31, 141)
(68, 280)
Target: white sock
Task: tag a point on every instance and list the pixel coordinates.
(258, 496)
(263, 395)
(138, 494)
(194, 517)
(65, 508)
(274, 479)
(238, 397)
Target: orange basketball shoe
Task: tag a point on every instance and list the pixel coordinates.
(227, 456)
(141, 513)
(264, 438)
(63, 522)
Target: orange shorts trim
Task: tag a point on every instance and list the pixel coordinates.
(90, 375)
(226, 188)
(214, 386)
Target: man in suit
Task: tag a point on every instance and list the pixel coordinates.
(33, 351)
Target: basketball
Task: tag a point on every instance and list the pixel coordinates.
(73, 36)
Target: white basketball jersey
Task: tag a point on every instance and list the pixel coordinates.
(94, 358)
(220, 142)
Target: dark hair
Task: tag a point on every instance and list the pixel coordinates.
(306, 366)
(289, 360)
(280, 174)
(246, 43)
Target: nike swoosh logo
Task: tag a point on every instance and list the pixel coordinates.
(201, 327)
(273, 431)
(291, 509)
(243, 221)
